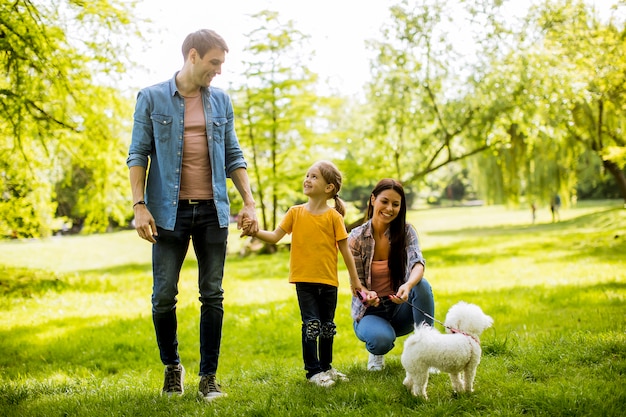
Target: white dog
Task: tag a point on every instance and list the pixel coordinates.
(457, 352)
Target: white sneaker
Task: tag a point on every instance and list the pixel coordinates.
(335, 375)
(376, 362)
(322, 379)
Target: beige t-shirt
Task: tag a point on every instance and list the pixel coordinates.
(381, 278)
(196, 176)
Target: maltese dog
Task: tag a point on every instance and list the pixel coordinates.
(457, 352)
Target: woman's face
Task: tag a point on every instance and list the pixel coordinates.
(386, 206)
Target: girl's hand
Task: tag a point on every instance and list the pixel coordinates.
(247, 228)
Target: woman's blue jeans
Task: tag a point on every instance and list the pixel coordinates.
(381, 325)
(199, 224)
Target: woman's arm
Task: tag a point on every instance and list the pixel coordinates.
(415, 261)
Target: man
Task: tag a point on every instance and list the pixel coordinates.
(184, 132)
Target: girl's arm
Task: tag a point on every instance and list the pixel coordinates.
(355, 283)
(348, 259)
(270, 237)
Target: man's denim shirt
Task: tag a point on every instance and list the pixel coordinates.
(157, 141)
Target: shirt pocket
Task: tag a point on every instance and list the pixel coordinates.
(161, 126)
(219, 129)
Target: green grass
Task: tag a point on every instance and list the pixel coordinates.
(76, 336)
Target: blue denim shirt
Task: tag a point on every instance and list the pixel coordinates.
(157, 142)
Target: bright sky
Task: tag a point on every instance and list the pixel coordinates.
(338, 30)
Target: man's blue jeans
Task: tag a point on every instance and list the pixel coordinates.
(381, 325)
(198, 223)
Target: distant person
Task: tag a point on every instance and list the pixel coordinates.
(184, 132)
(555, 206)
(390, 265)
(533, 211)
(317, 231)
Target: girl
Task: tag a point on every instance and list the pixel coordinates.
(317, 231)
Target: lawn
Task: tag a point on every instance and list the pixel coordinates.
(76, 335)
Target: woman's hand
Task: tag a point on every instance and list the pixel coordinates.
(368, 298)
(402, 295)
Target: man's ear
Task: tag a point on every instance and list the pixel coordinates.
(192, 55)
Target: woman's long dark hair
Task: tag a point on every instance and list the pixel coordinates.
(397, 233)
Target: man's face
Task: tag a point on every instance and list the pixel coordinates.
(207, 67)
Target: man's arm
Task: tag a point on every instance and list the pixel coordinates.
(144, 222)
(248, 212)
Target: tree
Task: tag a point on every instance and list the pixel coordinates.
(60, 114)
(567, 91)
(278, 115)
(428, 100)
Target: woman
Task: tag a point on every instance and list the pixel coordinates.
(390, 265)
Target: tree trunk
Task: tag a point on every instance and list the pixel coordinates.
(618, 174)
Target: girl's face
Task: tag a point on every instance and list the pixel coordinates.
(314, 183)
(386, 206)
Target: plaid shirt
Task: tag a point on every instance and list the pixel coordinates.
(361, 243)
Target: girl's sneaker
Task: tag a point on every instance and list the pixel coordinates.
(335, 375)
(322, 379)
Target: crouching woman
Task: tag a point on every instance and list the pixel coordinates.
(390, 265)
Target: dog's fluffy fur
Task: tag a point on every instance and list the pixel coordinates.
(455, 353)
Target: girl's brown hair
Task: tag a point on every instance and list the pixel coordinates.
(333, 176)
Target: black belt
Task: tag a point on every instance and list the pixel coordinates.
(191, 202)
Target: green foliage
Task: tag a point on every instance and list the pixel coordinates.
(567, 97)
(274, 109)
(77, 337)
(459, 85)
(60, 112)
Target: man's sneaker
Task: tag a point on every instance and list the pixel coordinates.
(335, 375)
(376, 362)
(174, 383)
(209, 388)
(322, 379)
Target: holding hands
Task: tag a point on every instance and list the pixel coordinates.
(247, 222)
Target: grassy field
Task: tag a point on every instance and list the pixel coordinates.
(76, 336)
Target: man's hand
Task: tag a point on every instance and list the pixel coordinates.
(145, 224)
(247, 221)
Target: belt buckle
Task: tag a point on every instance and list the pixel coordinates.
(193, 202)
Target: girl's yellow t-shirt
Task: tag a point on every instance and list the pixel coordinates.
(314, 240)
